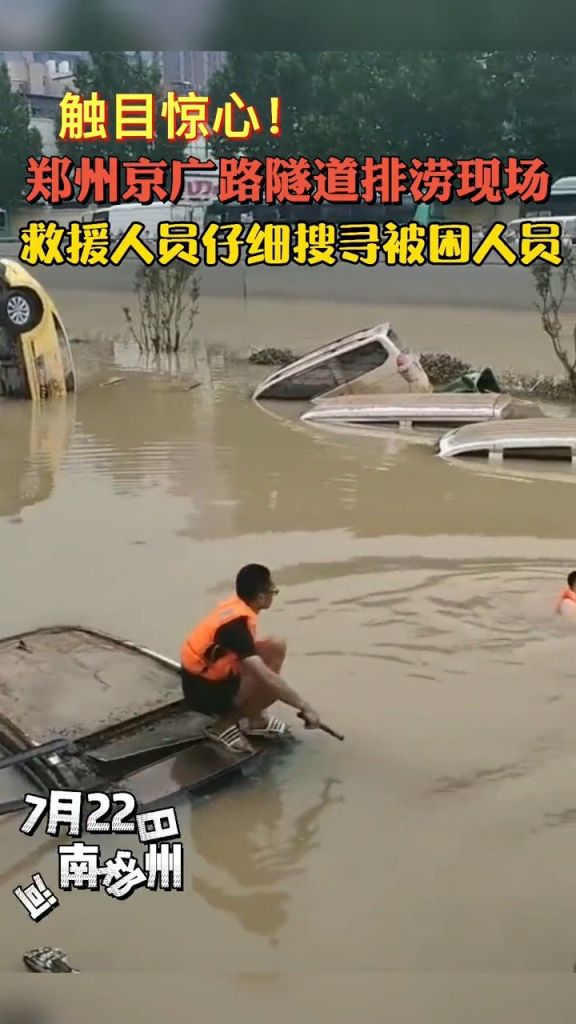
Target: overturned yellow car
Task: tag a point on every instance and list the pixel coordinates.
(35, 355)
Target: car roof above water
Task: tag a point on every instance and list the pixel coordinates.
(542, 433)
(70, 682)
(443, 406)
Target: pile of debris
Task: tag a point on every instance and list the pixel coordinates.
(542, 386)
(271, 357)
(442, 368)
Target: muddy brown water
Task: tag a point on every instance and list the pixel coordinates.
(416, 599)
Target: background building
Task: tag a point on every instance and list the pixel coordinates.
(40, 74)
(43, 76)
(183, 70)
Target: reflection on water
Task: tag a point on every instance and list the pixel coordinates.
(244, 468)
(256, 848)
(416, 597)
(35, 438)
(523, 471)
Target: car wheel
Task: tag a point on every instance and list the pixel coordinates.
(21, 310)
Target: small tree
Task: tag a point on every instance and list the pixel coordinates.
(552, 284)
(18, 141)
(168, 299)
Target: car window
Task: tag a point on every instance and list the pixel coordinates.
(307, 383)
(359, 361)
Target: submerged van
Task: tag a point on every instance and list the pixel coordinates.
(35, 355)
(367, 362)
(549, 438)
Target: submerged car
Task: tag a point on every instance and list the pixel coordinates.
(549, 438)
(435, 410)
(361, 363)
(35, 355)
(80, 709)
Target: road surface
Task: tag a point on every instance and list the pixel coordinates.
(492, 286)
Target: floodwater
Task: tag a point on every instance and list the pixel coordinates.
(416, 599)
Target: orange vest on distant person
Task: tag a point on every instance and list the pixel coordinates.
(566, 595)
(199, 653)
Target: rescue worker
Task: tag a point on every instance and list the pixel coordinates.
(568, 594)
(233, 677)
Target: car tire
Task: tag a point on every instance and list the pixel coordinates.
(21, 310)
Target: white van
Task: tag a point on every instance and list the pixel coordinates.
(568, 225)
(151, 215)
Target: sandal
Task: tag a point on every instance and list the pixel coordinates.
(275, 728)
(230, 738)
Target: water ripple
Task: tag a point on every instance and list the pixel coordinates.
(439, 620)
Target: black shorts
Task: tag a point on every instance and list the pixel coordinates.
(209, 698)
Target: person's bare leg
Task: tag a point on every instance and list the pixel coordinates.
(253, 695)
(257, 698)
(272, 650)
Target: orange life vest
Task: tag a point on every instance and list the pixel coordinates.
(566, 595)
(200, 653)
